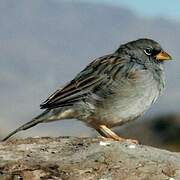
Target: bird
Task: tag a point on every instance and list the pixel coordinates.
(112, 90)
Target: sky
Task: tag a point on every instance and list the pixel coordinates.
(44, 44)
(153, 8)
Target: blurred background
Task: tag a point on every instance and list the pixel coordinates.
(44, 44)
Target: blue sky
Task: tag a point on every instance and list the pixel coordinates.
(163, 8)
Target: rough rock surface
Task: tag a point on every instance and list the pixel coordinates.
(85, 158)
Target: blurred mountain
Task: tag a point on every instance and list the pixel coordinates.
(43, 44)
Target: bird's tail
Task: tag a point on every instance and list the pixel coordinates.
(33, 122)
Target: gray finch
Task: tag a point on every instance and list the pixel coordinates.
(111, 91)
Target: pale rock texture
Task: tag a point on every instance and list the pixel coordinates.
(84, 159)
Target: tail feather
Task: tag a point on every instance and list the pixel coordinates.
(28, 125)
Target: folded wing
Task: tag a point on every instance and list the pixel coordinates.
(100, 72)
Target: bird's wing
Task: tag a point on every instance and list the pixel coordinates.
(100, 71)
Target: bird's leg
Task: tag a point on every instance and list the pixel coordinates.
(108, 133)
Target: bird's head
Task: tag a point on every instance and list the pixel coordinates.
(145, 50)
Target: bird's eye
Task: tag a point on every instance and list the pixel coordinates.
(148, 51)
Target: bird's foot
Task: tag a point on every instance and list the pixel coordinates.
(120, 139)
(109, 135)
(132, 141)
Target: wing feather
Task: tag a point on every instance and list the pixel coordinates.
(96, 73)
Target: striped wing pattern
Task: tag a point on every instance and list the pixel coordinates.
(99, 73)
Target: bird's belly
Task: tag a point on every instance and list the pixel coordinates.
(123, 108)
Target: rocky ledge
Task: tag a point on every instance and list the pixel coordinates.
(85, 158)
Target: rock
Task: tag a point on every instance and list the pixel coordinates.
(85, 158)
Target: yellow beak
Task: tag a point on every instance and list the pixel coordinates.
(163, 56)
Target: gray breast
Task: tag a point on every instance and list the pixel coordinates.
(132, 99)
